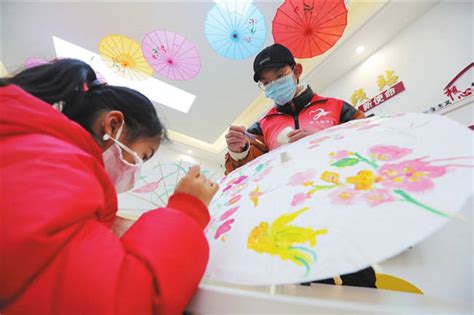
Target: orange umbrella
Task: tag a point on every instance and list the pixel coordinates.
(309, 27)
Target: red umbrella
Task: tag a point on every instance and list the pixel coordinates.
(309, 27)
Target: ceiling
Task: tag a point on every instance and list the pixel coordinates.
(224, 89)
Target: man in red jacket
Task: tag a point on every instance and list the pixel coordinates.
(298, 111)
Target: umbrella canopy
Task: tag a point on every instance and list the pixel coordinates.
(171, 55)
(340, 200)
(235, 29)
(309, 27)
(124, 56)
(155, 185)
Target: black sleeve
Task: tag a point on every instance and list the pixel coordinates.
(348, 111)
(255, 129)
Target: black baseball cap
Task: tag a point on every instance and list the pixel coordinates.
(274, 56)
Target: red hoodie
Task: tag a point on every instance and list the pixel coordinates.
(57, 204)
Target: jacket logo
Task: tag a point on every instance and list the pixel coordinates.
(318, 113)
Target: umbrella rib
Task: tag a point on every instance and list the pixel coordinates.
(161, 44)
(296, 38)
(324, 33)
(167, 44)
(108, 51)
(241, 47)
(247, 17)
(232, 28)
(181, 46)
(220, 27)
(129, 47)
(154, 40)
(182, 53)
(329, 18)
(317, 44)
(296, 22)
(299, 17)
(235, 15)
(226, 43)
(186, 70)
(161, 69)
(227, 26)
(171, 45)
(192, 57)
(319, 11)
(173, 73)
(316, 35)
(290, 26)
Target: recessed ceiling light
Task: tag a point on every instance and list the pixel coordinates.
(156, 90)
(190, 152)
(360, 50)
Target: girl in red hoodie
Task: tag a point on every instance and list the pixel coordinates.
(68, 143)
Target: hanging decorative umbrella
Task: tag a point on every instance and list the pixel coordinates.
(331, 204)
(309, 27)
(235, 29)
(124, 56)
(34, 62)
(171, 55)
(155, 185)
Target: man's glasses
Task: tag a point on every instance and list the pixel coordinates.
(279, 79)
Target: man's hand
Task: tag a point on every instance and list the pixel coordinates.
(236, 139)
(298, 134)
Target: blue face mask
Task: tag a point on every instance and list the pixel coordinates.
(282, 90)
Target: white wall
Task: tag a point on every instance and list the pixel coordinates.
(425, 56)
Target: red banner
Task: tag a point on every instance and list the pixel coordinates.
(382, 97)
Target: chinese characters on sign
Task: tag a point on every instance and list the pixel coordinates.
(454, 93)
(382, 97)
(388, 80)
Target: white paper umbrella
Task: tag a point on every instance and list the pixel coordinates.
(155, 185)
(339, 200)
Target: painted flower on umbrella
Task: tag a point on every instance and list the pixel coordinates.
(388, 152)
(279, 239)
(343, 196)
(376, 197)
(300, 198)
(228, 213)
(412, 175)
(364, 180)
(224, 228)
(233, 200)
(262, 174)
(330, 177)
(255, 195)
(304, 178)
(316, 142)
(235, 183)
(339, 155)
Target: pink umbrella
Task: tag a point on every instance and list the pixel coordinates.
(171, 55)
(34, 62)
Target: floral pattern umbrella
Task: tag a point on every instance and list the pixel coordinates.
(340, 200)
(124, 56)
(235, 29)
(171, 55)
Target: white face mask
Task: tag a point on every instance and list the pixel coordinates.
(122, 173)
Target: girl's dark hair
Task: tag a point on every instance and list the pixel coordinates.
(75, 83)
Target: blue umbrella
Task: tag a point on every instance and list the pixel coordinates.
(235, 29)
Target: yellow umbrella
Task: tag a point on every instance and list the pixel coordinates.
(124, 56)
